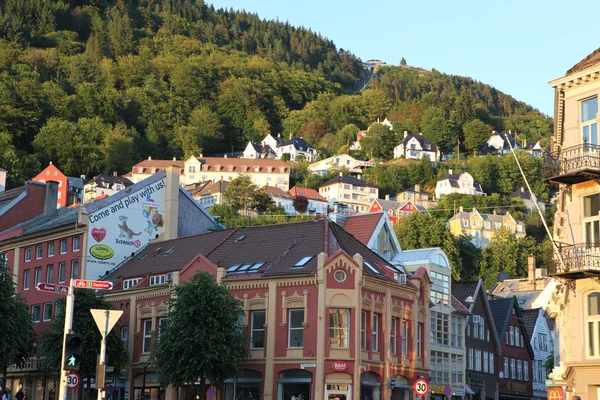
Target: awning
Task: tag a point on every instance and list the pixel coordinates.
(469, 390)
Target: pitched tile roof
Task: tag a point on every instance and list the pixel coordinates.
(349, 180)
(158, 164)
(214, 187)
(529, 320)
(458, 306)
(311, 194)
(276, 192)
(462, 290)
(297, 143)
(237, 163)
(501, 311)
(362, 226)
(106, 180)
(520, 193)
(589, 61)
(9, 195)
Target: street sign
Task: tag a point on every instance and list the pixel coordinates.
(548, 382)
(211, 394)
(110, 389)
(421, 387)
(556, 393)
(392, 383)
(447, 390)
(105, 319)
(87, 284)
(47, 287)
(73, 380)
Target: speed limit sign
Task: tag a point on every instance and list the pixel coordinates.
(421, 387)
(73, 380)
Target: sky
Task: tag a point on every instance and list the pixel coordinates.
(515, 46)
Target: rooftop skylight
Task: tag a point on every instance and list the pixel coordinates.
(303, 261)
(372, 268)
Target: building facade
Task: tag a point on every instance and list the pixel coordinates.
(51, 173)
(574, 165)
(354, 193)
(483, 227)
(317, 204)
(416, 147)
(339, 161)
(540, 337)
(453, 183)
(104, 185)
(395, 209)
(418, 196)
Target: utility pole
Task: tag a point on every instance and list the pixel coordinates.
(67, 329)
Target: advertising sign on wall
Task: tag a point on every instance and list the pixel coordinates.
(125, 225)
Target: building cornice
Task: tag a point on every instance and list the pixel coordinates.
(586, 76)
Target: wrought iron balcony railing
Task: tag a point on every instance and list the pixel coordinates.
(573, 164)
(580, 260)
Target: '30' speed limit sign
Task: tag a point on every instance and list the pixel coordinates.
(73, 380)
(421, 387)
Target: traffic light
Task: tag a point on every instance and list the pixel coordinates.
(72, 352)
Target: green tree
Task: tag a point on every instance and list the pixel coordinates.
(300, 204)
(202, 316)
(437, 129)
(379, 142)
(476, 133)
(501, 255)
(240, 193)
(119, 148)
(83, 324)
(17, 336)
(376, 105)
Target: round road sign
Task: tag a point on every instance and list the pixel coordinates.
(211, 394)
(73, 380)
(421, 387)
(447, 390)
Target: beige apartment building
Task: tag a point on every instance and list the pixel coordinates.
(353, 193)
(575, 167)
(264, 172)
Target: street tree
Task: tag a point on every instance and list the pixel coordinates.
(201, 340)
(83, 324)
(17, 336)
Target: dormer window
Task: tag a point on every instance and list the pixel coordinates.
(230, 168)
(244, 168)
(153, 170)
(256, 169)
(140, 170)
(282, 169)
(269, 169)
(205, 167)
(218, 168)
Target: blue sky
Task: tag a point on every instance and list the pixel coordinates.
(515, 46)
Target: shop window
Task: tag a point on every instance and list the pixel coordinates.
(246, 386)
(370, 386)
(294, 384)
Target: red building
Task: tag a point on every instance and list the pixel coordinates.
(514, 365)
(394, 209)
(327, 317)
(51, 173)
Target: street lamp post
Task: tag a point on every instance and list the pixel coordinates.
(145, 365)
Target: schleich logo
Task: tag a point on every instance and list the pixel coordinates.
(340, 366)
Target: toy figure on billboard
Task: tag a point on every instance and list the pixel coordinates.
(126, 232)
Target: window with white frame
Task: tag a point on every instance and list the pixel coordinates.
(526, 370)
(76, 243)
(589, 124)
(591, 219)
(339, 328)
(39, 252)
(505, 369)
(51, 249)
(129, 283)
(481, 328)
(125, 335)
(404, 339)
(477, 360)
(28, 254)
(35, 313)
(512, 335)
(393, 336)
(296, 328)
(363, 330)
(62, 272)
(485, 362)
(257, 329)
(161, 325)
(456, 331)
(542, 341)
(491, 368)
(47, 311)
(157, 280)
(63, 246)
(147, 341)
(37, 278)
(513, 369)
(593, 324)
(440, 288)
(519, 370)
(75, 269)
(419, 341)
(439, 333)
(470, 358)
(50, 273)
(375, 333)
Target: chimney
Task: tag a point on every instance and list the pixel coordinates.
(493, 132)
(420, 133)
(387, 196)
(460, 209)
(224, 155)
(450, 171)
(341, 174)
(114, 173)
(51, 198)
(174, 158)
(494, 212)
(405, 134)
(417, 188)
(149, 157)
(50, 163)
(359, 176)
(531, 270)
(201, 155)
(522, 189)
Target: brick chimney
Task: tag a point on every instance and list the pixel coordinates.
(417, 188)
(531, 270)
(387, 196)
(405, 134)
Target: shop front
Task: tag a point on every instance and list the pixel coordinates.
(147, 388)
(338, 386)
(294, 384)
(400, 389)
(370, 386)
(246, 387)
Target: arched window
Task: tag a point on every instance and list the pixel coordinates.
(218, 168)
(269, 169)
(593, 325)
(282, 169)
(256, 169)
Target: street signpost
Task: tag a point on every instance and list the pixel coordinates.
(447, 390)
(89, 284)
(105, 320)
(73, 380)
(48, 287)
(421, 387)
(392, 383)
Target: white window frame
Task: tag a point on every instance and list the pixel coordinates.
(345, 330)
(75, 268)
(419, 341)
(592, 325)
(51, 249)
(50, 273)
(63, 246)
(513, 369)
(485, 362)
(47, 306)
(363, 330)
(519, 370)
(62, 272)
(506, 370)
(28, 254)
(478, 360)
(76, 243)
(255, 329)
(470, 358)
(404, 338)
(526, 371)
(147, 339)
(156, 280)
(393, 336)
(375, 333)
(125, 336)
(129, 283)
(39, 251)
(37, 276)
(292, 329)
(36, 309)
(491, 368)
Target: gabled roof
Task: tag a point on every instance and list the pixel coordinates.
(454, 178)
(506, 139)
(297, 143)
(458, 306)
(276, 192)
(106, 180)
(8, 196)
(521, 194)
(158, 164)
(501, 310)
(530, 319)
(361, 226)
(589, 61)
(311, 194)
(387, 205)
(213, 187)
(238, 163)
(348, 180)
(42, 223)
(426, 145)
(463, 290)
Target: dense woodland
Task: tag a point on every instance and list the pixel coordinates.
(96, 85)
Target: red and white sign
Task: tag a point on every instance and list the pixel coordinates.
(421, 387)
(73, 380)
(87, 284)
(47, 287)
(556, 393)
(340, 366)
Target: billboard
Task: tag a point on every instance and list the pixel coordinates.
(125, 225)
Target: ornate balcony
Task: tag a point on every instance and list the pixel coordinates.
(580, 261)
(573, 164)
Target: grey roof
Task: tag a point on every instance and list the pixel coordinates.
(42, 223)
(426, 145)
(8, 196)
(462, 290)
(106, 180)
(501, 311)
(522, 194)
(297, 143)
(529, 320)
(389, 204)
(417, 256)
(349, 180)
(75, 182)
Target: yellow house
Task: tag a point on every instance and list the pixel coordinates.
(575, 166)
(483, 227)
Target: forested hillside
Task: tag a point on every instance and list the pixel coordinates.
(98, 84)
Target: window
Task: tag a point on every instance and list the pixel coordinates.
(63, 246)
(439, 333)
(485, 361)
(296, 329)
(363, 330)
(157, 280)
(420, 341)
(506, 376)
(440, 288)
(58, 195)
(589, 125)
(477, 360)
(161, 324)
(470, 358)
(47, 311)
(26, 277)
(591, 219)
(456, 330)
(192, 168)
(76, 243)
(481, 328)
(28, 254)
(147, 343)
(39, 251)
(129, 283)
(404, 342)
(51, 249)
(520, 370)
(339, 328)
(35, 312)
(522, 340)
(375, 333)
(257, 330)
(125, 336)
(75, 269)
(393, 336)
(593, 324)
(512, 335)
(491, 368)
(50, 273)
(526, 370)
(37, 276)
(513, 369)
(62, 272)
